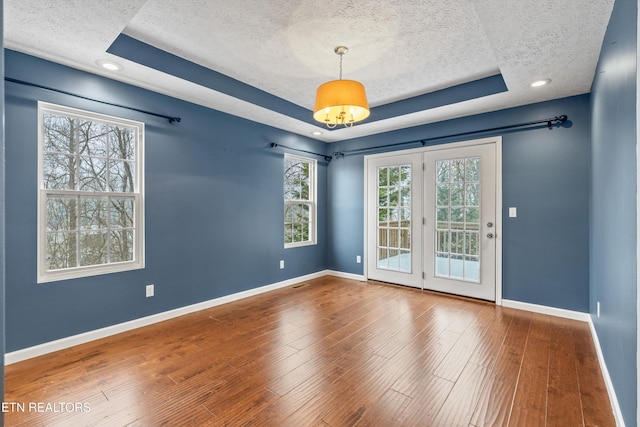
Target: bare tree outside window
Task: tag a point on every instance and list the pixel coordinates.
(89, 188)
(299, 201)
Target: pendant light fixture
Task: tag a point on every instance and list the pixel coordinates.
(341, 102)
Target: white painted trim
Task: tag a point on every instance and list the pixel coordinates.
(413, 277)
(48, 347)
(584, 317)
(365, 224)
(551, 311)
(313, 192)
(637, 219)
(617, 413)
(43, 275)
(498, 221)
(359, 277)
(445, 146)
(38, 350)
(497, 140)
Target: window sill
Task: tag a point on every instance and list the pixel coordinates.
(77, 273)
(298, 244)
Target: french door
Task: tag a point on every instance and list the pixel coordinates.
(431, 219)
(394, 189)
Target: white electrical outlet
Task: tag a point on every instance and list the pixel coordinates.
(358, 259)
(598, 309)
(513, 212)
(281, 264)
(150, 290)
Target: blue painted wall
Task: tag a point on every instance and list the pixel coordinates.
(2, 215)
(613, 204)
(213, 201)
(545, 175)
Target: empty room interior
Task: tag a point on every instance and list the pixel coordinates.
(308, 213)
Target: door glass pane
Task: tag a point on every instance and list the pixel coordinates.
(383, 241)
(405, 196)
(405, 175)
(394, 259)
(393, 197)
(405, 238)
(457, 225)
(394, 218)
(457, 170)
(442, 264)
(383, 258)
(442, 171)
(442, 197)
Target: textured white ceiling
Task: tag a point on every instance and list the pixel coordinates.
(288, 49)
(397, 48)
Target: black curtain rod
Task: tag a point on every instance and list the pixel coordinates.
(548, 122)
(327, 158)
(22, 82)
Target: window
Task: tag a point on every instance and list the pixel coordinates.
(299, 201)
(90, 207)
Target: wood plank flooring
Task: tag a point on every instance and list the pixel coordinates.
(330, 352)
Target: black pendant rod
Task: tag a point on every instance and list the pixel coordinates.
(327, 158)
(22, 82)
(549, 122)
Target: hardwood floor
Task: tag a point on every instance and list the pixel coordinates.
(328, 352)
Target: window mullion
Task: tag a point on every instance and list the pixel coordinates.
(108, 230)
(52, 192)
(76, 187)
(78, 234)
(107, 188)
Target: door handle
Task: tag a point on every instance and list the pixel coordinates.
(490, 235)
(489, 224)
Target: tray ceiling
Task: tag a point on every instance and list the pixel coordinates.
(420, 61)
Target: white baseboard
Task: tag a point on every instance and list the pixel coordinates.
(48, 347)
(607, 379)
(343, 275)
(543, 309)
(38, 350)
(585, 317)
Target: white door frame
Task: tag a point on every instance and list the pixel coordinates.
(497, 140)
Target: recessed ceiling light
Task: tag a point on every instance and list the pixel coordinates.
(541, 82)
(109, 65)
(316, 133)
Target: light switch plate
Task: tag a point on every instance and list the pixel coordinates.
(513, 212)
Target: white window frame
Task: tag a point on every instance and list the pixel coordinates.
(45, 275)
(312, 203)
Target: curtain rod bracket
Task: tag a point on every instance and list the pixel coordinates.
(557, 120)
